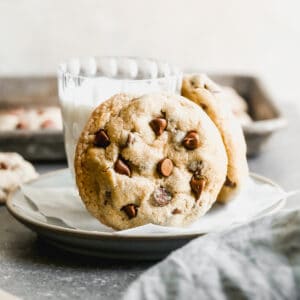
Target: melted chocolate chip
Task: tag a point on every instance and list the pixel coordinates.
(101, 139)
(161, 196)
(229, 183)
(165, 167)
(48, 124)
(3, 166)
(158, 125)
(204, 107)
(197, 185)
(121, 167)
(191, 140)
(22, 125)
(130, 139)
(130, 210)
(176, 211)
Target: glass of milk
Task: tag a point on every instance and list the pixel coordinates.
(84, 83)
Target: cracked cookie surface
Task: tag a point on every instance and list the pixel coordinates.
(203, 91)
(154, 159)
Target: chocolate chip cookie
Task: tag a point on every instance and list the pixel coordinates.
(30, 118)
(203, 91)
(154, 159)
(14, 170)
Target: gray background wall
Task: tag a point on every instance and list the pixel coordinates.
(258, 36)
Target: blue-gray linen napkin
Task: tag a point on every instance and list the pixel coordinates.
(258, 260)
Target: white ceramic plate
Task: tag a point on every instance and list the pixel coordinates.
(105, 244)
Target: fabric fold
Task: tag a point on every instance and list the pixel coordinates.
(260, 260)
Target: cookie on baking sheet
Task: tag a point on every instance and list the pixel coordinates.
(238, 105)
(30, 118)
(203, 91)
(14, 170)
(155, 159)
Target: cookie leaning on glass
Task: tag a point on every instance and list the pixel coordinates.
(155, 159)
(203, 91)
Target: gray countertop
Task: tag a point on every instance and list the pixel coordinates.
(31, 269)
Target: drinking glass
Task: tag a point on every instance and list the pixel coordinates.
(84, 83)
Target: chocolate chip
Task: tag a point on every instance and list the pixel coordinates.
(165, 167)
(108, 195)
(3, 166)
(48, 124)
(130, 139)
(122, 168)
(194, 84)
(191, 140)
(204, 107)
(101, 139)
(197, 185)
(212, 87)
(161, 196)
(22, 125)
(229, 183)
(159, 125)
(130, 210)
(176, 211)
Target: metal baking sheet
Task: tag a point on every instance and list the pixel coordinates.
(267, 117)
(48, 144)
(39, 145)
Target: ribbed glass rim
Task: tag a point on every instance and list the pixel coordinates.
(63, 70)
